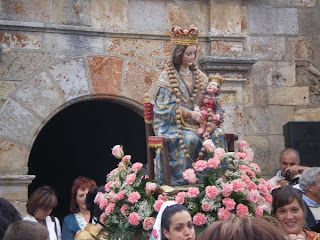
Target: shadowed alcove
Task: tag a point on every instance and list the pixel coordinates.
(77, 142)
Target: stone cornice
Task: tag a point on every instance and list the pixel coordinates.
(6, 180)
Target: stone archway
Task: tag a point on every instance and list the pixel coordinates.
(49, 90)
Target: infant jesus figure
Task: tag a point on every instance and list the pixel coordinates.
(211, 108)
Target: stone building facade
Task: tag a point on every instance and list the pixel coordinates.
(57, 53)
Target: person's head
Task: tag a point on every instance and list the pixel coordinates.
(310, 183)
(184, 55)
(90, 204)
(176, 223)
(26, 230)
(288, 157)
(41, 202)
(8, 215)
(213, 87)
(288, 207)
(80, 188)
(243, 228)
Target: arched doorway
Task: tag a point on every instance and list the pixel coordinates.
(77, 142)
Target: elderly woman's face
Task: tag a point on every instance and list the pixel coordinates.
(189, 56)
(181, 227)
(291, 217)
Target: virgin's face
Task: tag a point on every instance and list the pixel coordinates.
(81, 198)
(181, 227)
(189, 56)
(291, 217)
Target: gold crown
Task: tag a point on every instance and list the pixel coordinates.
(216, 78)
(185, 37)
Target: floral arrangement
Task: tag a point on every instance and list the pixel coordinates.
(230, 185)
(128, 200)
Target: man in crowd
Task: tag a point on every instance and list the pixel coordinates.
(310, 185)
(289, 163)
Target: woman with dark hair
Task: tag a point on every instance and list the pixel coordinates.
(243, 228)
(80, 216)
(173, 222)
(8, 215)
(289, 209)
(39, 207)
(179, 88)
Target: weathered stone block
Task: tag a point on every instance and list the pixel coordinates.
(73, 45)
(137, 79)
(299, 48)
(40, 95)
(111, 15)
(309, 19)
(106, 74)
(307, 114)
(257, 119)
(255, 95)
(268, 20)
(142, 50)
(234, 120)
(267, 48)
(276, 146)
(289, 96)
(26, 40)
(226, 48)
(74, 12)
(7, 87)
(17, 123)
(278, 116)
(293, 3)
(20, 65)
(71, 77)
(147, 15)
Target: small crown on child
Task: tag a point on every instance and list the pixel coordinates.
(185, 37)
(216, 78)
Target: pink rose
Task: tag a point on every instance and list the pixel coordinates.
(137, 166)
(213, 162)
(245, 178)
(209, 146)
(193, 192)
(117, 151)
(253, 196)
(134, 197)
(148, 223)
(134, 218)
(180, 197)
(199, 219)
(206, 207)
(249, 153)
(268, 198)
(107, 186)
(150, 187)
(226, 189)
(200, 165)
(237, 186)
(259, 211)
(131, 178)
(252, 186)
(113, 197)
(161, 197)
(211, 191)
(109, 209)
(121, 194)
(229, 203)
(189, 174)
(242, 145)
(219, 153)
(240, 155)
(103, 203)
(124, 210)
(223, 214)
(242, 210)
(126, 159)
(157, 205)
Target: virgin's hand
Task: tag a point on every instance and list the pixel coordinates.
(196, 116)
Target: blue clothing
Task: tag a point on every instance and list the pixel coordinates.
(70, 227)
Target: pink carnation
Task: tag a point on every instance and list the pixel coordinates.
(137, 166)
(161, 197)
(268, 197)
(249, 153)
(157, 205)
(117, 151)
(262, 181)
(124, 208)
(189, 174)
(121, 194)
(122, 166)
(199, 219)
(223, 214)
(253, 196)
(267, 208)
(213, 162)
(244, 167)
(226, 189)
(98, 197)
(134, 197)
(113, 197)
(237, 186)
(206, 207)
(148, 223)
(242, 210)
(131, 178)
(229, 203)
(109, 209)
(180, 197)
(242, 145)
(103, 203)
(134, 218)
(107, 186)
(219, 153)
(200, 165)
(126, 159)
(211, 191)
(150, 187)
(263, 188)
(252, 186)
(240, 155)
(193, 192)
(259, 211)
(250, 173)
(208, 145)
(245, 178)
(255, 167)
(103, 218)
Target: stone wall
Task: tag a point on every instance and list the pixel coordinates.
(56, 53)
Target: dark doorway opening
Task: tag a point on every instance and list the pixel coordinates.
(77, 142)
